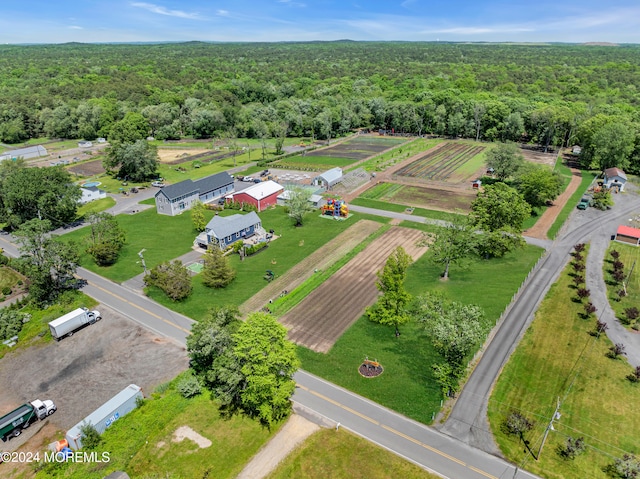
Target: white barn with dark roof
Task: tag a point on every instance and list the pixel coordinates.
(615, 178)
(174, 199)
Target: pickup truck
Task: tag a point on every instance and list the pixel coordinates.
(585, 202)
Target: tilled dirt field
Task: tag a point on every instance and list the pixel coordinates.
(81, 372)
(321, 259)
(323, 316)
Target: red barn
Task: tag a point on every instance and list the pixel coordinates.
(261, 195)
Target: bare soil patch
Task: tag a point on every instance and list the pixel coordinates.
(90, 168)
(435, 198)
(82, 371)
(323, 316)
(320, 259)
(537, 155)
(185, 432)
(169, 155)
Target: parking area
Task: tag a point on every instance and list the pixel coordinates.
(80, 372)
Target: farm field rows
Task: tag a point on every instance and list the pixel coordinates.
(321, 318)
(445, 164)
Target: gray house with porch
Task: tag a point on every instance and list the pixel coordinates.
(226, 230)
(174, 199)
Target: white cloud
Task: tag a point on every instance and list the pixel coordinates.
(160, 10)
(293, 3)
(222, 13)
(75, 27)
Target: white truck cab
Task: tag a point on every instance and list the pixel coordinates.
(44, 408)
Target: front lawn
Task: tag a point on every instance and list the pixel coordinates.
(144, 445)
(293, 245)
(162, 237)
(407, 384)
(343, 455)
(559, 358)
(96, 206)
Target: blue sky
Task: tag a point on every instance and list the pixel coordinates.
(59, 21)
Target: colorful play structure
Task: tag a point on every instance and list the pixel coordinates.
(335, 207)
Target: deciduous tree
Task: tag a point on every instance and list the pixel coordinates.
(267, 364)
(298, 204)
(452, 243)
(391, 307)
(171, 277)
(136, 161)
(197, 216)
(106, 238)
(539, 185)
(505, 159)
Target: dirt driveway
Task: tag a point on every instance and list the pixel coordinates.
(82, 371)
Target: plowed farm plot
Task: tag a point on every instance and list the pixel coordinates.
(321, 318)
(446, 163)
(358, 148)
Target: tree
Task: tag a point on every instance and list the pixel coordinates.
(217, 272)
(106, 238)
(612, 145)
(130, 129)
(452, 244)
(51, 263)
(171, 277)
(602, 200)
(267, 363)
(617, 350)
(499, 212)
(517, 423)
(298, 204)
(505, 159)
(197, 216)
(627, 467)
(211, 349)
(539, 185)
(46, 193)
(390, 309)
(136, 161)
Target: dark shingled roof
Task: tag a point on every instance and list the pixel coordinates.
(200, 186)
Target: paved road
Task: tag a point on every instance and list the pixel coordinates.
(468, 420)
(416, 442)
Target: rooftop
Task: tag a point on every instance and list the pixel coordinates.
(223, 226)
(262, 190)
(201, 186)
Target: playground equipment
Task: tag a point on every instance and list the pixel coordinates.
(336, 208)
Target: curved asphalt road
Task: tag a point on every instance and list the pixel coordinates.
(468, 420)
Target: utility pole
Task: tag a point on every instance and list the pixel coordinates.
(556, 415)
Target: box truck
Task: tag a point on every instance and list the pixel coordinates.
(69, 323)
(121, 404)
(12, 424)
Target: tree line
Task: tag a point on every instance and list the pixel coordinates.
(549, 95)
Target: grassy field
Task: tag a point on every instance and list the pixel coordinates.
(342, 455)
(147, 230)
(629, 255)
(386, 206)
(36, 330)
(9, 278)
(558, 358)
(95, 206)
(407, 384)
(291, 247)
(587, 178)
(143, 445)
(401, 153)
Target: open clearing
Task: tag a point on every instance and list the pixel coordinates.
(169, 155)
(422, 196)
(321, 318)
(80, 372)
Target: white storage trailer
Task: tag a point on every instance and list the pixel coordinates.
(69, 323)
(119, 405)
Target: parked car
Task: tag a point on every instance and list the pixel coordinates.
(247, 179)
(585, 202)
(157, 184)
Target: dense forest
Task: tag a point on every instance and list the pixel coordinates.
(548, 95)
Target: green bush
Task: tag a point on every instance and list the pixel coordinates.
(189, 387)
(11, 322)
(255, 248)
(6, 290)
(3, 259)
(90, 436)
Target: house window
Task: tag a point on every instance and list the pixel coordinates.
(228, 238)
(181, 205)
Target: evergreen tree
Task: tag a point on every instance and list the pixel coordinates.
(217, 272)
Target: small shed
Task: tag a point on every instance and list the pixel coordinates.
(614, 179)
(328, 178)
(576, 150)
(628, 235)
